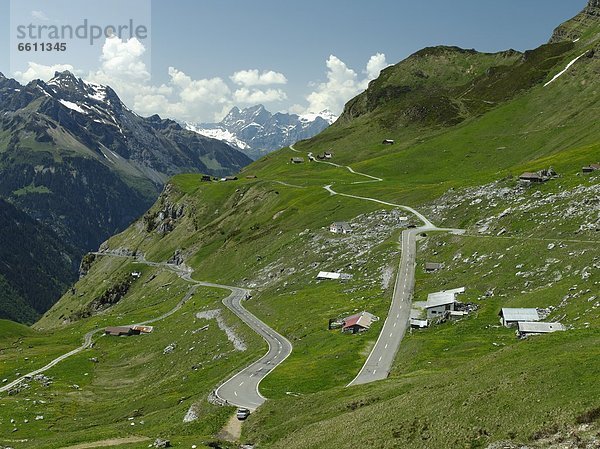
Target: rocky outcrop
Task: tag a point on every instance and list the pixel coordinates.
(593, 7)
(574, 28)
(177, 258)
(109, 298)
(86, 264)
(163, 219)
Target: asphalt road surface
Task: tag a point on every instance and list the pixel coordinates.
(382, 356)
(242, 390)
(380, 360)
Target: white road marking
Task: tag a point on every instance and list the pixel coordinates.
(380, 358)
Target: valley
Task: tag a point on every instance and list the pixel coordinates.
(454, 171)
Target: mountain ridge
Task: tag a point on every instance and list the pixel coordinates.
(78, 161)
(257, 131)
(69, 126)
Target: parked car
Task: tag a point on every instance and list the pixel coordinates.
(242, 413)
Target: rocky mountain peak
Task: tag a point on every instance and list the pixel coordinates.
(66, 80)
(256, 131)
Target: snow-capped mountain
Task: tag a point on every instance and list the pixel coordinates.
(257, 132)
(77, 159)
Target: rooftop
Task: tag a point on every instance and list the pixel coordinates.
(444, 297)
(515, 314)
(540, 328)
(363, 319)
(440, 299)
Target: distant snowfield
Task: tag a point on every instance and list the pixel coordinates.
(219, 134)
(559, 74)
(325, 114)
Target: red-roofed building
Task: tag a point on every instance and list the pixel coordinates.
(358, 323)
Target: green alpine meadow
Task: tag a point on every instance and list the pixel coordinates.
(424, 273)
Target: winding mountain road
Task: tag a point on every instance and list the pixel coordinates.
(350, 169)
(240, 390)
(380, 360)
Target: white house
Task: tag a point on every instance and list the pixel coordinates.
(340, 227)
(439, 303)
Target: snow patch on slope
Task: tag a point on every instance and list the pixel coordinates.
(219, 134)
(559, 74)
(73, 106)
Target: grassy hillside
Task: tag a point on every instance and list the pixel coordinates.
(472, 382)
(124, 386)
(468, 383)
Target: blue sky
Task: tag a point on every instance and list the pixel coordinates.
(307, 55)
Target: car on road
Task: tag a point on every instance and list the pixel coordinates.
(242, 413)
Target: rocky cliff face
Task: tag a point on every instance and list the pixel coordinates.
(578, 25)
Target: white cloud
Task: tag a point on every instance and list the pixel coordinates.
(255, 78)
(211, 91)
(296, 109)
(342, 84)
(197, 100)
(41, 72)
(122, 61)
(183, 98)
(39, 15)
(375, 65)
(255, 96)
